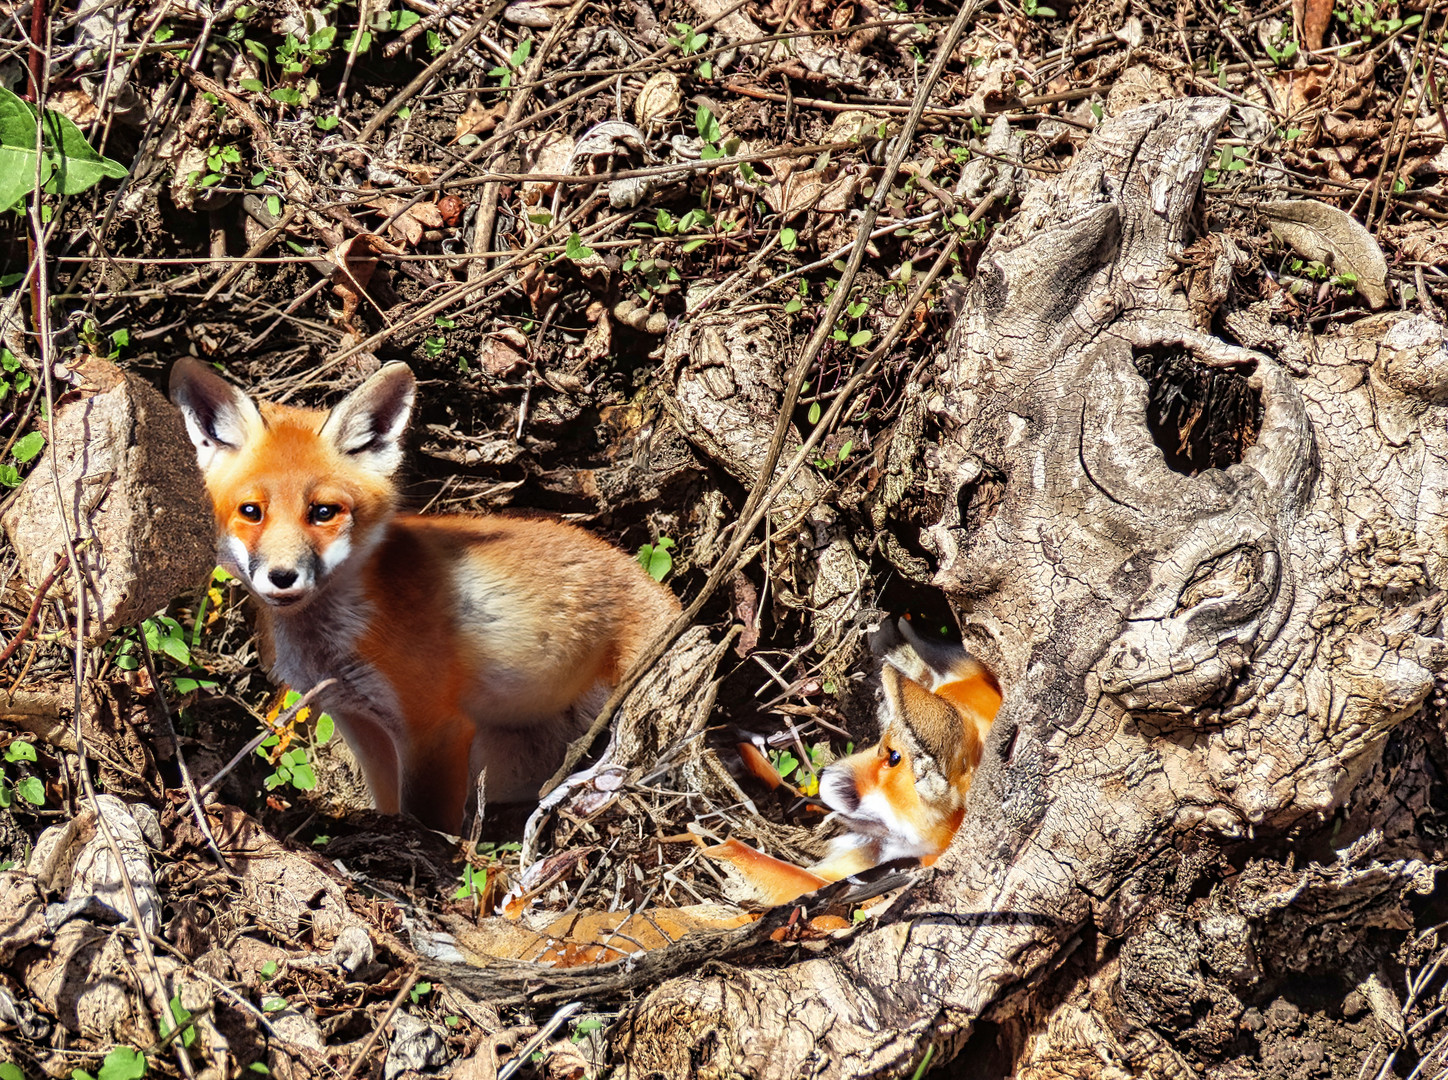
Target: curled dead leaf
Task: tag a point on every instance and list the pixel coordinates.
(1328, 235)
(659, 100)
(479, 119)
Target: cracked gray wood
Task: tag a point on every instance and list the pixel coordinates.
(1221, 654)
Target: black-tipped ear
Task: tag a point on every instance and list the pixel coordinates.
(368, 423)
(219, 417)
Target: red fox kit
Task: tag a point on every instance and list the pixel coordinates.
(904, 797)
(459, 644)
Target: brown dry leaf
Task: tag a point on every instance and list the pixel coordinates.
(540, 287)
(598, 342)
(76, 105)
(498, 357)
(414, 221)
(355, 260)
(1324, 233)
(799, 192)
(1420, 241)
(479, 119)
(550, 153)
(1315, 17)
(837, 197)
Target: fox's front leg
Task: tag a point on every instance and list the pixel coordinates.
(373, 747)
(434, 773)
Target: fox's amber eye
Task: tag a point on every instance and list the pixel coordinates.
(250, 511)
(321, 513)
(893, 759)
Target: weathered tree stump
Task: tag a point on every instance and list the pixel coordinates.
(1200, 644)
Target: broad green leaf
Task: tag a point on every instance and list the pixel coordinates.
(20, 750)
(32, 790)
(576, 249)
(68, 164)
(656, 560)
(326, 727)
(10, 1071)
(28, 446)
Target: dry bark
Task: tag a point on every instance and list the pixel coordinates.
(1188, 659)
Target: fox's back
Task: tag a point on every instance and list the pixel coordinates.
(523, 616)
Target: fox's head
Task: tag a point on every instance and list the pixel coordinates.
(907, 792)
(297, 492)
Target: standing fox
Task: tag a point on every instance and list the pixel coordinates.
(458, 644)
(904, 797)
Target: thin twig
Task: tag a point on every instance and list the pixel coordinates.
(376, 1033)
(29, 623)
(408, 92)
(186, 780)
(282, 721)
(760, 496)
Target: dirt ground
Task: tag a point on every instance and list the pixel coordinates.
(531, 204)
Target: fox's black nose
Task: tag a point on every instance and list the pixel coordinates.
(282, 579)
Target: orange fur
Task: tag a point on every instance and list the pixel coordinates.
(909, 809)
(459, 644)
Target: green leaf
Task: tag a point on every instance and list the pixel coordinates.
(795, 304)
(576, 249)
(20, 750)
(844, 453)
(814, 412)
(9, 476)
(861, 337)
(123, 1063)
(256, 86)
(268, 969)
(323, 39)
(10, 1071)
(402, 19)
(362, 47)
(273, 1004)
(656, 560)
(326, 728)
(287, 95)
(694, 245)
(706, 125)
(28, 446)
(786, 764)
(788, 239)
(183, 1018)
(326, 123)
(7, 796)
(68, 165)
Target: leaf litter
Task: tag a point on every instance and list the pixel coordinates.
(600, 234)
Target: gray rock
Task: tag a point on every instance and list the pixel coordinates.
(130, 485)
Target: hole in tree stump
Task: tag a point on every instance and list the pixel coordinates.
(1201, 417)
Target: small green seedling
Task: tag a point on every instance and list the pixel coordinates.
(655, 558)
(31, 789)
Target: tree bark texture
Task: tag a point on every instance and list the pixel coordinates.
(1188, 659)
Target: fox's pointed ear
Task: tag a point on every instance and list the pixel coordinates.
(219, 417)
(934, 723)
(368, 423)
